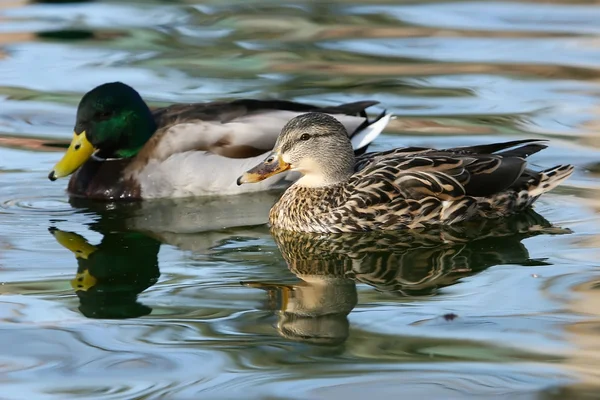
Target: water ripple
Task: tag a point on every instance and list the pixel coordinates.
(37, 205)
(568, 19)
(453, 72)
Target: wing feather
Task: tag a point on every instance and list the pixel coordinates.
(242, 128)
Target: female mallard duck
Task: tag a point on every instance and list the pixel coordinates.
(400, 188)
(123, 150)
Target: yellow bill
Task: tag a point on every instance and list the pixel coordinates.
(272, 165)
(79, 151)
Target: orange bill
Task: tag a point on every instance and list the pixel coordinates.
(272, 165)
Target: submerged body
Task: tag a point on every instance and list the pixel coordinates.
(397, 189)
(123, 150)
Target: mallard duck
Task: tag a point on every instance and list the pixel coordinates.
(123, 150)
(399, 188)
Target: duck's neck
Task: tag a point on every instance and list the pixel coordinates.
(138, 135)
(300, 207)
(323, 175)
(319, 182)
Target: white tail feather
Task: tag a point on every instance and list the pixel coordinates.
(370, 133)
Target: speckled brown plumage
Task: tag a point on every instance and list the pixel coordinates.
(415, 187)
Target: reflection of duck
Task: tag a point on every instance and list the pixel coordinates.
(408, 263)
(124, 264)
(123, 150)
(195, 224)
(112, 274)
(315, 310)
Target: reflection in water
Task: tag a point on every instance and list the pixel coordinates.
(73, 34)
(584, 336)
(455, 73)
(404, 263)
(169, 217)
(60, 1)
(112, 274)
(315, 310)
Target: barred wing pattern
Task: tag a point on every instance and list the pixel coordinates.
(415, 187)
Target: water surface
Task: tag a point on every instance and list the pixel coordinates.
(199, 299)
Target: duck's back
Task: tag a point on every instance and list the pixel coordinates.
(415, 187)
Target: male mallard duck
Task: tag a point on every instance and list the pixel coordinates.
(123, 150)
(400, 188)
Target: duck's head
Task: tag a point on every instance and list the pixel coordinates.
(112, 121)
(316, 145)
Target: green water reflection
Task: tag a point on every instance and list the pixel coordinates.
(112, 273)
(197, 298)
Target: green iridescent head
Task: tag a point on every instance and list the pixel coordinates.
(112, 121)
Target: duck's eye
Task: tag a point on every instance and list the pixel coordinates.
(103, 114)
(305, 136)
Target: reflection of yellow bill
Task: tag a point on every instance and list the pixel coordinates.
(83, 281)
(74, 242)
(82, 249)
(285, 291)
(272, 165)
(79, 151)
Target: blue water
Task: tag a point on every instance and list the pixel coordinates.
(198, 299)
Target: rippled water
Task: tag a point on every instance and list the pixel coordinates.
(198, 299)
